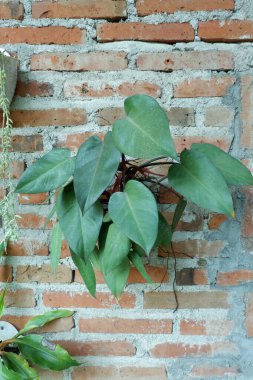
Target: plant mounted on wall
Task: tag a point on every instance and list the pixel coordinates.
(107, 206)
(8, 79)
(25, 347)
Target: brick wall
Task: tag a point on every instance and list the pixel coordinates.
(78, 61)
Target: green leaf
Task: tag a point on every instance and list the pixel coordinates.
(234, 172)
(38, 350)
(145, 132)
(42, 320)
(8, 374)
(2, 296)
(117, 278)
(55, 246)
(48, 173)
(137, 262)
(96, 165)
(198, 180)
(116, 249)
(80, 231)
(135, 213)
(18, 364)
(95, 259)
(87, 272)
(164, 235)
(50, 215)
(2, 248)
(178, 213)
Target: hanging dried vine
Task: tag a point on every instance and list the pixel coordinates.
(7, 204)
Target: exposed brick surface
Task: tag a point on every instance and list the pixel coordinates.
(197, 88)
(226, 31)
(115, 373)
(11, 10)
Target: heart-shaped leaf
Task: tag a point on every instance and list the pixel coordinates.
(87, 272)
(80, 231)
(48, 173)
(96, 164)
(135, 213)
(145, 132)
(116, 249)
(164, 235)
(38, 350)
(198, 180)
(117, 278)
(234, 172)
(55, 246)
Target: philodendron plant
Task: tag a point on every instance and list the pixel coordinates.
(107, 205)
(25, 348)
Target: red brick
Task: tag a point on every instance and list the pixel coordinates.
(234, 277)
(33, 221)
(183, 142)
(249, 314)
(194, 222)
(147, 7)
(191, 60)
(85, 89)
(27, 248)
(198, 87)
(174, 350)
(17, 169)
(20, 298)
(216, 220)
(100, 348)
(46, 374)
(75, 140)
(219, 116)
(59, 325)
(45, 35)
(137, 31)
(215, 328)
(11, 10)
(247, 111)
(107, 116)
(125, 326)
(28, 144)
(192, 276)
(102, 61)
(35, 199)
(226, 31)
(43, 274)
(195, 248)
(116, 373)
(84, 300)
(48, 117)
(5, 273)
(187, 300)
(110, 9)
(34, 88)
(206, 371)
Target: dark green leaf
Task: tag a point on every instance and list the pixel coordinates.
(135, 213)
(234, 172)
(48, 173)
(145, 132)
(87, 272)
(18, 364)
(55, 246)
(42, 320)
(164, 235)
(116, 249)
(95, 259)
(198, 180)
(178, 213)
(117, 278)
(8, 374)
(80, 231)
(96, 164)
(2, 297)
(137, 262)
(38, 350)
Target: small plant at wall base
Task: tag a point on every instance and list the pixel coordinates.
(26, 347)
(107, 207)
